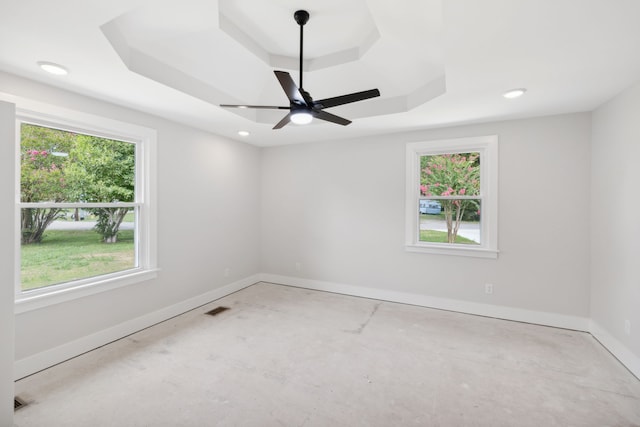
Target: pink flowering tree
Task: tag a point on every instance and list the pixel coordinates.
(41, 179)
(451, 175)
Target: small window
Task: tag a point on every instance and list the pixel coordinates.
(452, 197)
(84, 221)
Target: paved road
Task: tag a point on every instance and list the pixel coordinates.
(82, 225)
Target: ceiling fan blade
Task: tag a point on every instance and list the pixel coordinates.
(323, 115)
(346, 99)
(290, 88)
(263, 107)
(286, 119)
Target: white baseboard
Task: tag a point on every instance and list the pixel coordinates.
(489, 310)
(615, 347)
(45, 359)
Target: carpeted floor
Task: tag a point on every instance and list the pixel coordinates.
(283, 356)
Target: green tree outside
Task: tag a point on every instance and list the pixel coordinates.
(103, 170)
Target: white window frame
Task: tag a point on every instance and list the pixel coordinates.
(145, 140)
(487, 146)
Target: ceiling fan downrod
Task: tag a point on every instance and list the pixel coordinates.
(301, 17)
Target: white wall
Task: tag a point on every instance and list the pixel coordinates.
(615, 226)
(337, 208)
(7, 213)
(207, 221)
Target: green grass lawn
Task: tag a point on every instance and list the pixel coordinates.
(66, 255)
(433, 236)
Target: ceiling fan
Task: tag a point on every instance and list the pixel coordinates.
(302, 108)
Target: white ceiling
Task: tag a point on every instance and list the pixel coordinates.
(436, 62)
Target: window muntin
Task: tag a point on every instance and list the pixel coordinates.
(452, 197)
(133, 257)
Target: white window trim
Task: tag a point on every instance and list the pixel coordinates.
(146, 177)
(487, 146)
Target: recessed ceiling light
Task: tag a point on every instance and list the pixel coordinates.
(243, 133)
(302, 118)
(514, 93)
(52, 68)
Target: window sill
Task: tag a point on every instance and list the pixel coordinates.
(453, 250)
(33, 300)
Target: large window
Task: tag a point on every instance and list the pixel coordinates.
(451, 197)
(86, 220)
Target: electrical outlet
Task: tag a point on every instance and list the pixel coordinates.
(227, 272)
(298, 266)
(488, 288)
(627, 327)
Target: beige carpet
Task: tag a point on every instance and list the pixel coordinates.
(285, 356)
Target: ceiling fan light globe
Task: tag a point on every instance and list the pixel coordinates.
(301, 118)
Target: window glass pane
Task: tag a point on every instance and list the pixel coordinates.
(444, 220)
(72, 248)
(62, 244)
(450, 221)
(456, 174)
(62, 166)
